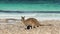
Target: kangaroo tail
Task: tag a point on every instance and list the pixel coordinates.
(45, 25)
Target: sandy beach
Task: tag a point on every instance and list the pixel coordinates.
(19, 28)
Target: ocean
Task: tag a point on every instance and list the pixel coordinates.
(30, 7)
(39, 11)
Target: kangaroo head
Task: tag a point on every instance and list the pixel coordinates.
(22, 18)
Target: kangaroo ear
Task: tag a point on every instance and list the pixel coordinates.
(22, 16)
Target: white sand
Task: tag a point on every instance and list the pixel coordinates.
(18, 28)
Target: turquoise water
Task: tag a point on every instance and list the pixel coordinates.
(29, 7)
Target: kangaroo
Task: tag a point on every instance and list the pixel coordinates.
(31, 22)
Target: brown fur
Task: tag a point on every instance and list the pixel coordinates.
(32, 22)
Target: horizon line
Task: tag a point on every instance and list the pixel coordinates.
(29, 11)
